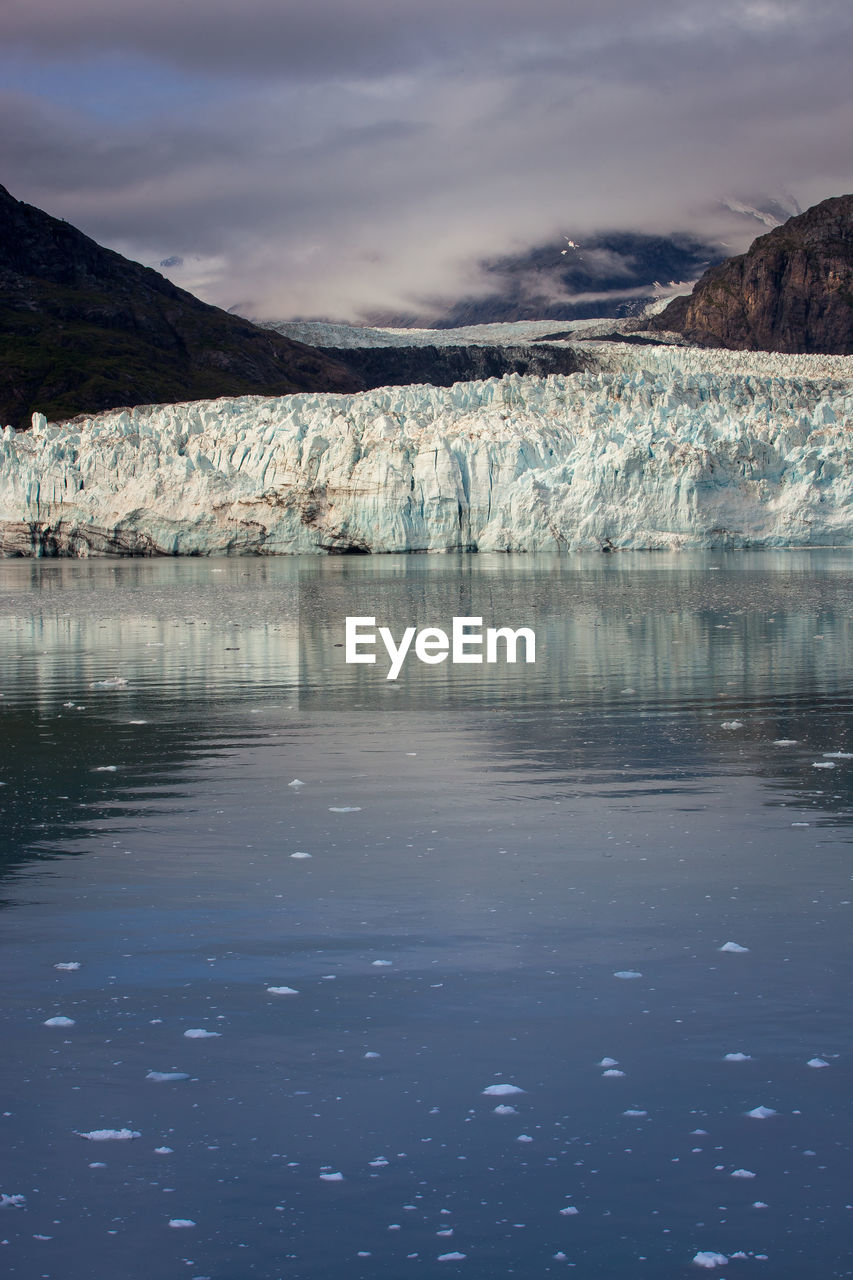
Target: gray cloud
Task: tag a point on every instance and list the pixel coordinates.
(334, 157)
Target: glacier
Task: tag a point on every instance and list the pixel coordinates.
(647, 447)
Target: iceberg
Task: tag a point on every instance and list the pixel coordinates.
(648, 447)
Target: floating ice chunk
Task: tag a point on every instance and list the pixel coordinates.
(163, 1077)
(613, 1072)
(198, 1033)
(60, 1022)
(732, 724)
(379, 1163)
(451, 1257)
(380, 964)
(761, 1113)
(817, 1062)
(733, 947)
(97, 1164)
(503, 1110)
(801, 824)
(345, 808)
(609, 1062)
(331, 1177)
(105, 768)
(283, 991)
(12, 1202)
(569, 1211)
(109, 1135)
(627, 973)
(837, 755)
(371, 1054)
(560, 1257)
(297, 783)
(163, 1151)
(181, 1222)
(632, 1112)
(823, 764)
(710, 1260)
(68, 966)
(524, 1137)
(501, 1090)
(742, 1173)
(300, 854)
(137, 722)
(115, 682)
(786, 742)
(759, 1204)
(737, 1057)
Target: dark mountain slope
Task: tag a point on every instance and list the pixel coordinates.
(791, 291)
(84, 329)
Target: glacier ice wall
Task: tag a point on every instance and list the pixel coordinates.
(654, 447)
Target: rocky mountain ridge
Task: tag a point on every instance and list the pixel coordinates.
(792, 291)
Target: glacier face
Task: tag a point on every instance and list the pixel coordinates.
(650, 448)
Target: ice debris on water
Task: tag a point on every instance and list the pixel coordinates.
(164, 1151)
(116, 682)
(733, 947)
(297, 782)
(381, 964)
(837, 755)
(569, 1211)
(60, 1022)
(823, 764)
(371, 1054)
(163, 1077)
(524, 1137)
(609, 1062)
(503, 1110)
(12, 1202)
(742, 1173)
(300, 854)
(732, 724)
(709, 1260)
(632, 1112)
(198, 1033)
(501, 1090)
(283, 991)
(331, 1177)
(181, 1222)
(761, 1113)
(737, 1057)
(627, 973)
(105, 768)
(613, 1071)
(786, 742)
(109, 1135)
(345, 808)
(451, 1257)
(68, 966)
(817, 1062)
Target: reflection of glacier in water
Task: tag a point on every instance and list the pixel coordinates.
(486, 856)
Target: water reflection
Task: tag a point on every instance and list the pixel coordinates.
(487, 851)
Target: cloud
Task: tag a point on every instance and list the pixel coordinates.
(333, 158)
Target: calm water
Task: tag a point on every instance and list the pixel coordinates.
(490, 848)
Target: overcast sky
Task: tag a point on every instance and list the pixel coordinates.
(330, 157)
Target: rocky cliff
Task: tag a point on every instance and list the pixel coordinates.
(84, 329)
(792, 291)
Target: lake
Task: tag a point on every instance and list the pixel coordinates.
(492, 970)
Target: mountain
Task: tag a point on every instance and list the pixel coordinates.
(792, 291)
(84, 329)
(611, 274)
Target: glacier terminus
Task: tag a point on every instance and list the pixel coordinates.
(662, 447)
